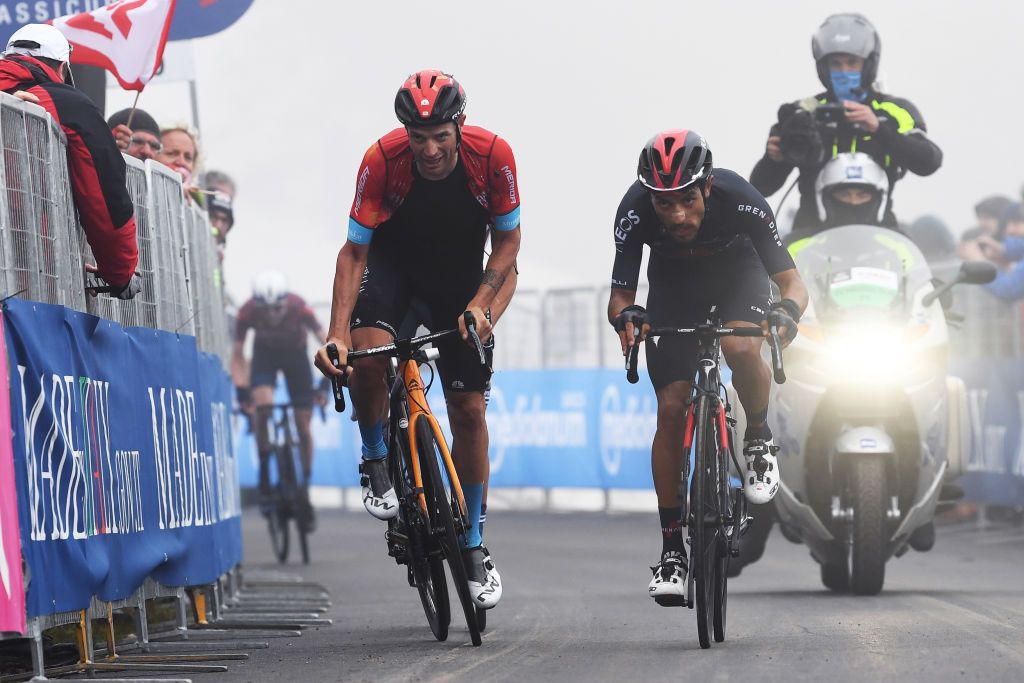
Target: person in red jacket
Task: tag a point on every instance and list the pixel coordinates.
(35, 68)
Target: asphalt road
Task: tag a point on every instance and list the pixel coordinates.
(575, 608)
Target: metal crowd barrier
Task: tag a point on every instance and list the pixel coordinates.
(43, 252)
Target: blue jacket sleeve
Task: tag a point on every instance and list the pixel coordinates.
(1010, 285)
(1014, 248)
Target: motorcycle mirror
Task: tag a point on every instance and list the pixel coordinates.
(976, 273)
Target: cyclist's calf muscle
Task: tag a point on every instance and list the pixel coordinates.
(667, 448)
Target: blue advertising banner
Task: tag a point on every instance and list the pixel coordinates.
(590, 428)
(548, 428)
(192, 18)
(123, 460)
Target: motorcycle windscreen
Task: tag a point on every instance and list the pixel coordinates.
(861, 267)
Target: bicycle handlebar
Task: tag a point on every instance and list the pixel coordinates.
(632, 376)
(393, 348)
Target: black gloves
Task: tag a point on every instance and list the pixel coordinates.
(785, 314)
(631, 314)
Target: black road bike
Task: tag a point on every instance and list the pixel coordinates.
(714, 510)
(289, 493)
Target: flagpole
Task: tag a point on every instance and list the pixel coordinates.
(135, 104)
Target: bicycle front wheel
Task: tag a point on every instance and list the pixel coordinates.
(277, 516)
(446, 517)
(704, 519)
(424, 559)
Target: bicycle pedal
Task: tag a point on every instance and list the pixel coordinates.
(672, 601)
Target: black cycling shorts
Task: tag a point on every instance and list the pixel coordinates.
(682, 295)
(386, 296)
(298, 375)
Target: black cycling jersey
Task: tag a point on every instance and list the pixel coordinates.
(438, 234)
(736, 217)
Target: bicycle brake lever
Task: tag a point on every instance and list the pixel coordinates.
(776, 344)
(632, 358)
(337, 382)
(471, 328)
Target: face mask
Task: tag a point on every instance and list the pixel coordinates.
(840, 213)
(846, 86)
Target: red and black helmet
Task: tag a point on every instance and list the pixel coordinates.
(429, 98)
(674, 160)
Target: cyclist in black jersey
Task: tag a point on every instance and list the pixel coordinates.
(714, 246)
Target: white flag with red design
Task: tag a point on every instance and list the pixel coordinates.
(126, 38)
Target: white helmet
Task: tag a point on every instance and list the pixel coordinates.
(39, 40)
(852, 169)
(270, 287)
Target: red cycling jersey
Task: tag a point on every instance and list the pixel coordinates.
(385, 177)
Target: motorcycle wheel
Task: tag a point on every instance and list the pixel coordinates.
(867, 492)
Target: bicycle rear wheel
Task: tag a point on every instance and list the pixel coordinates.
(445, 513)
(704, 520)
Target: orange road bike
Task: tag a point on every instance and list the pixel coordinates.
(432, 511)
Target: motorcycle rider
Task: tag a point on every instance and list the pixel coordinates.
(851, 115)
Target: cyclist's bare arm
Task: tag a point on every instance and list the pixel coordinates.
(347, 275)
(504, 296)
(239, 365)
(791, 286)
(505, 245)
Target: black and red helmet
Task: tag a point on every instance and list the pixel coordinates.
(429, 98)
(674, 160)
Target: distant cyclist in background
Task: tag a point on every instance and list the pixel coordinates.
(280, 322)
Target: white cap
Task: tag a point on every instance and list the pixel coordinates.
(43, 41)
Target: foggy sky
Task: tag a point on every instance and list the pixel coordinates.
(292, 95)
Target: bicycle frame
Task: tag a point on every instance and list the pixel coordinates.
(419, 409)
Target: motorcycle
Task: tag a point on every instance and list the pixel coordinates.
(871, 429)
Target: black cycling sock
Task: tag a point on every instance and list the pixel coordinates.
(672, 531)
(761, 431)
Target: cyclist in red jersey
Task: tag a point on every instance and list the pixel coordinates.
(280, 322)
(428, 195)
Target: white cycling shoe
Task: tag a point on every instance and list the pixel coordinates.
(484, 579)
(668, 587)
(379, 497)
(761, 481)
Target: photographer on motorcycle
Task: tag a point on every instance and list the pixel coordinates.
(850, 116)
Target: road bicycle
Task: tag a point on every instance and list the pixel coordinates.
(432, 510)
(714, 508)
(288, 497)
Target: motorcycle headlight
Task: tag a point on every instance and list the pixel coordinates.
(868, 355)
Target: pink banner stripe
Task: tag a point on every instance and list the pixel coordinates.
(12, 591)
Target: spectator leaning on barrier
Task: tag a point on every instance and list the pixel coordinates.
(142, 140)
(35, 68)
(850, 116)
(180, 152)
(1009, 284)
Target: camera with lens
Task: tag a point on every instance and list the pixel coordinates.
(804, 127)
